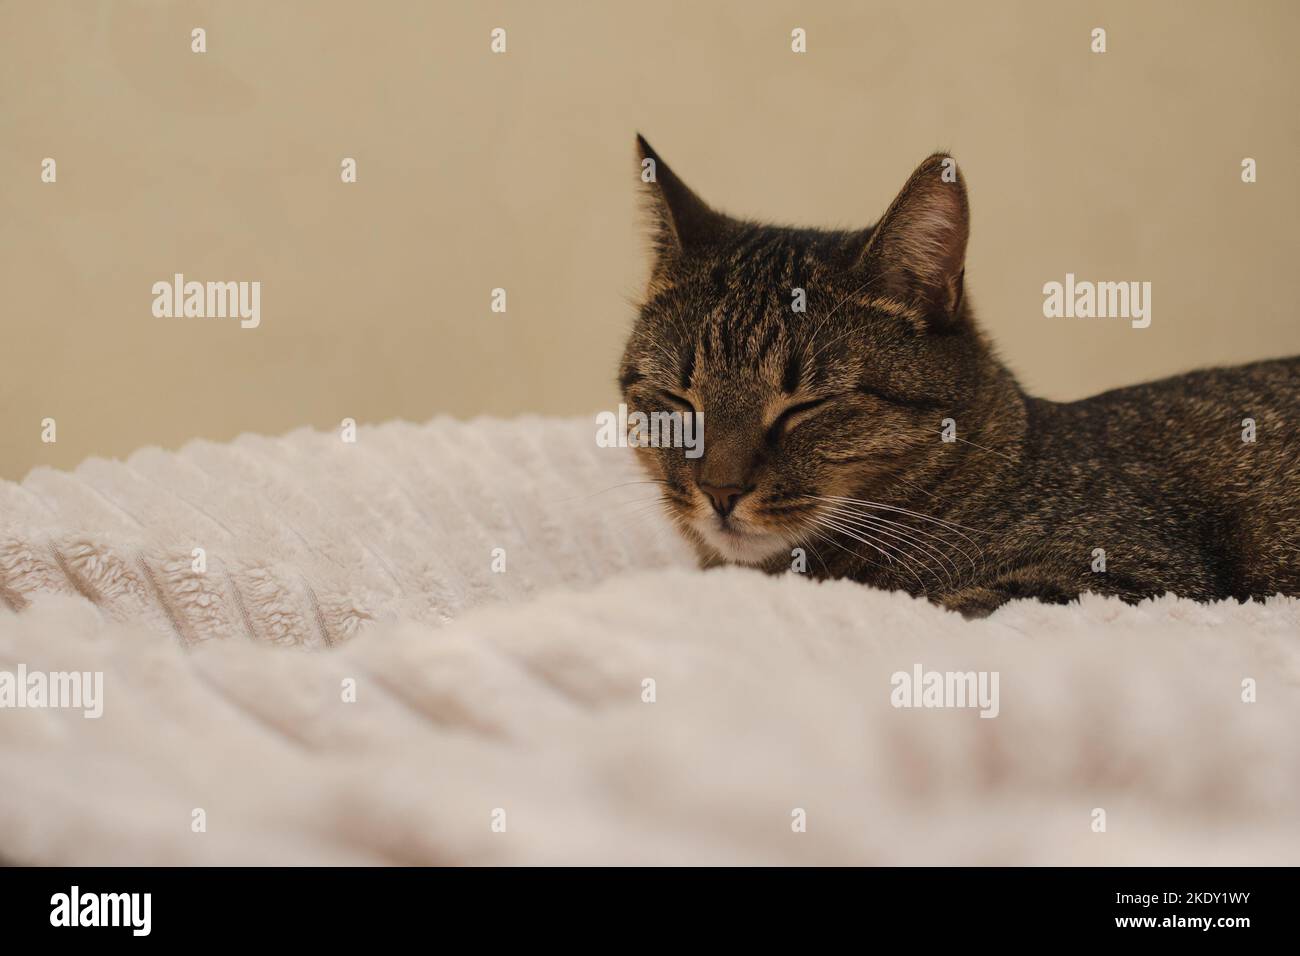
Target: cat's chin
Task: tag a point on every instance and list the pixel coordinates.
(738, 546)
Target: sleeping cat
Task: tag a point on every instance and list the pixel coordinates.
(875, 436)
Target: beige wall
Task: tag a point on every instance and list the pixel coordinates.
(479, 171)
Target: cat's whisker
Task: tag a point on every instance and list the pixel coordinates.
(907, 511)
(648, 510)
(831, 541)
(816, 555)
(906, 557)
(964, 441)
(644, 514)
(875, 524)
(904, 528)
(593, 494)
(793, 530)
(655, 504)
(893, 562)
(644, 505)
(892, 553)
(858, 506)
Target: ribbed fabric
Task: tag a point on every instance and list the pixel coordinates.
(308, 538)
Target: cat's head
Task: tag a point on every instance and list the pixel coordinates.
(823, 363)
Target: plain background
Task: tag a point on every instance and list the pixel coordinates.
(517, 170)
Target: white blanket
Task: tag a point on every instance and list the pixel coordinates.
(502, 717)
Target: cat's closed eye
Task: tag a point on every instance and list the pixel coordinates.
(911, 402)
(680, 402)
(793, 415)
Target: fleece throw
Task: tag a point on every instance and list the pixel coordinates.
(476, 643)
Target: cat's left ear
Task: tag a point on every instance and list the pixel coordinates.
(917, 252)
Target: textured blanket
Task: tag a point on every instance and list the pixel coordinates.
(506, 658)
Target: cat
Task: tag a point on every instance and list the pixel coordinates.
(824, 445)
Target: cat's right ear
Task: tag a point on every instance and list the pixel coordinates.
(680, 221)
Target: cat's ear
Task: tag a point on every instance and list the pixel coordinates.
(917, 252)
(680, 220)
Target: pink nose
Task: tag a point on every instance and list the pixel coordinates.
(723, 498)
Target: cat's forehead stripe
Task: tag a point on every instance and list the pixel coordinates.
(742, 315)
(687, 365)
(889, 307)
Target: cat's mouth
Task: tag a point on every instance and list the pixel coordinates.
(737, 542)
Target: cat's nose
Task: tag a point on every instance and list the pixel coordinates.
(723, 497)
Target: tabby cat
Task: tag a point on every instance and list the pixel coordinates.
(824, 444)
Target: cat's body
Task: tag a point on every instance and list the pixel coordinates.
(824, 444)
